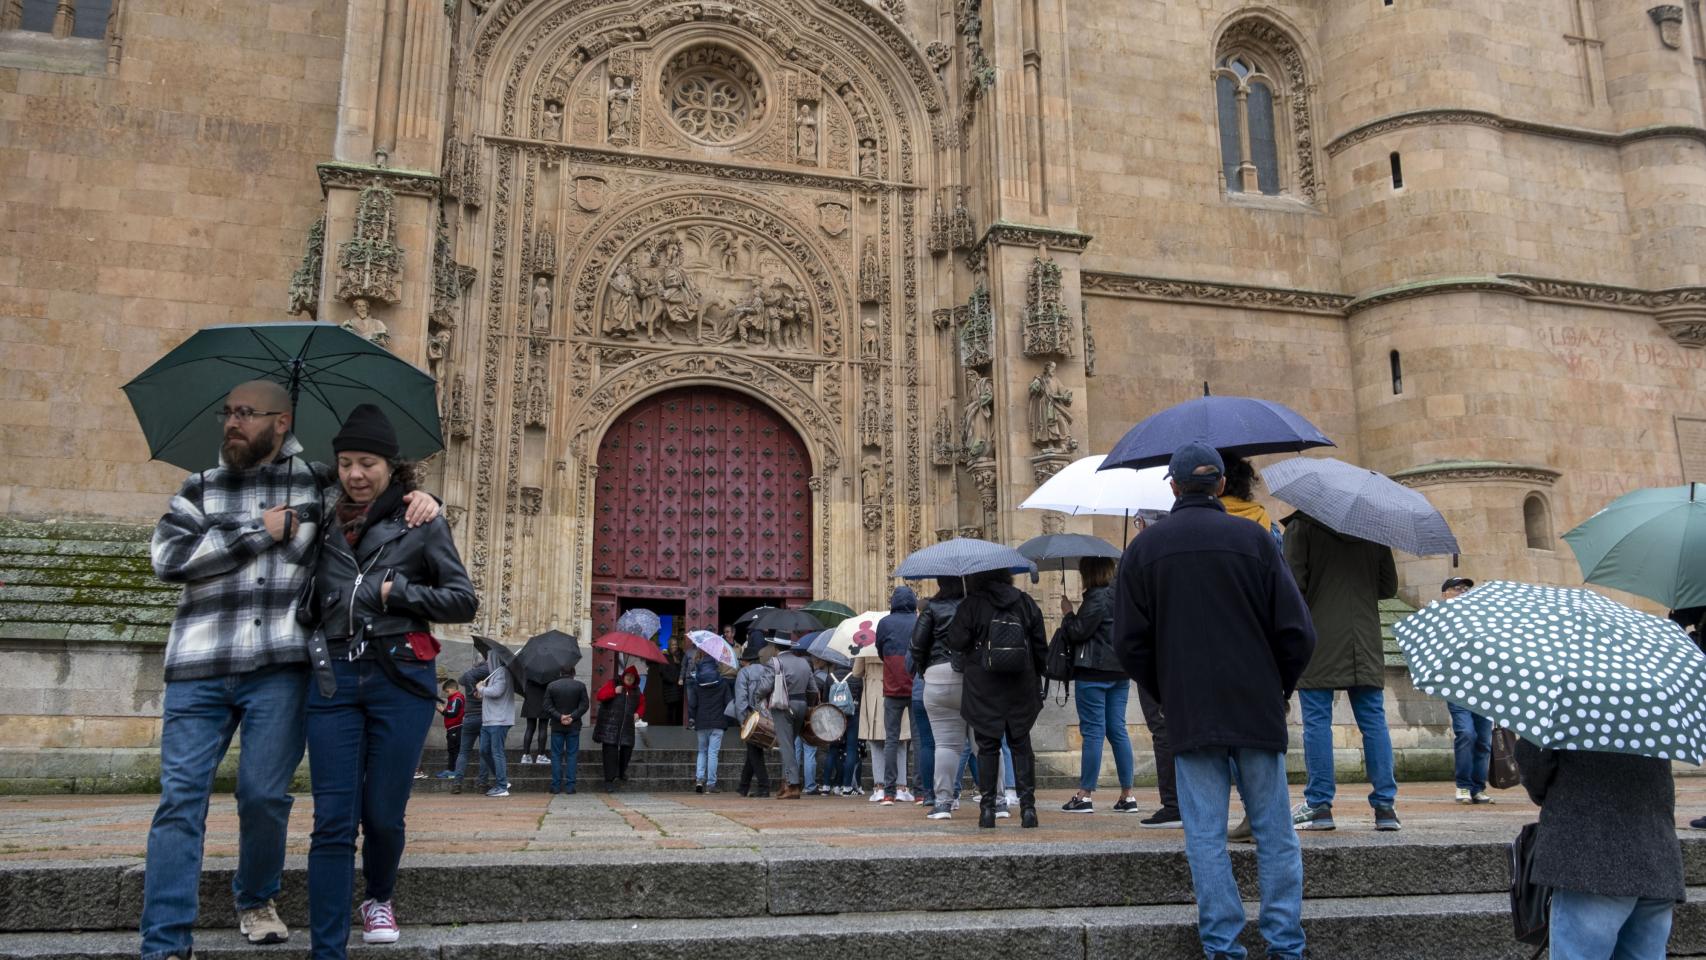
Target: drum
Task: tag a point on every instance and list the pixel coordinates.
(759, 730)
(825, 726)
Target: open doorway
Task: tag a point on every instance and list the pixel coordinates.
(663, 688)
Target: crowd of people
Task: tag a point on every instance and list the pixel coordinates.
(310, 591)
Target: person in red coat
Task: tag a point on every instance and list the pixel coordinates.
(619, 705)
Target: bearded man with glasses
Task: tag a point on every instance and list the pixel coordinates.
(239, 537)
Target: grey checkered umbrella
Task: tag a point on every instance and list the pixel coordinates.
(1361, 503)
(1565, 669)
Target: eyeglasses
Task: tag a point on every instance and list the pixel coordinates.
(242, 414)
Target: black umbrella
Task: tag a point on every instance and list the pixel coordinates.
(1055, 551)
(485, 646)
(786, 622)
(545, 656)
(752, 615)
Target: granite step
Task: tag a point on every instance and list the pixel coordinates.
(731, 877)
(1426, 927)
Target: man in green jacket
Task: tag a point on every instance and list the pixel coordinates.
(1343, 579)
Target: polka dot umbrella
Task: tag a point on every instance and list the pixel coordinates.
(1565, 669)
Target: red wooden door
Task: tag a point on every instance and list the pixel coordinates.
(701, 493)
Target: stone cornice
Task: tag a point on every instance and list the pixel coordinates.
(1429, 288)
(1475, 471)
(1132, 286)
(1006, 234)
(354, 176)
(560, 153)
(1485, 118)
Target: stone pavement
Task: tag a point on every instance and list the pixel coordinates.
(91, 827)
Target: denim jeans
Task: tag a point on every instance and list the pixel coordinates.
(924, 741)
(1101, 715)
(468, 759)
(968, 762)
(705, 762)
(1472, 744)
(894, 752)
(806, 756)
(364, 742)
(1587, 926)
(196, 726)
(1368, 705)
(1206, 777)
(492, 753)
(565, 757)
(849, 753)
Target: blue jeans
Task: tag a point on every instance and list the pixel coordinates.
(1368, 705)
(968, 761)
(196, 726)
(923, 741)
(492, 753)
(848, 753)
(565, 757)
(705, 763)
(470, 748)
(1101, 715)
(1206, 777)
(364, 742)
(1472, 744)
(1587, 926)
(805, 757)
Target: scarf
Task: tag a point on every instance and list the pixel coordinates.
(354, 518)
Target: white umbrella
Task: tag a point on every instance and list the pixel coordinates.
(714, 647)
(1082, 487)
(856, 633)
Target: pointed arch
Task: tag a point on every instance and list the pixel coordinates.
(1264, 108)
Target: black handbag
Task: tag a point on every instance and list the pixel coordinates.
(1502, 771)
(1058, 665)
(1531, 903)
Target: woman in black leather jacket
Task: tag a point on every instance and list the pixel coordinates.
(943, 686)
(1100, 686)
(378, 586)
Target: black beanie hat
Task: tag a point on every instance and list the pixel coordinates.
(367, 431)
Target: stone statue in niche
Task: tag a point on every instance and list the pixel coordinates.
(805, 133)
(871, 480)
(552, 127)
(870, 338)
(623, 306)
(365, 325)
(868, 158)
(437, 346)
(621, 110)
(1051, 418)
(978, 421)
(541, 300)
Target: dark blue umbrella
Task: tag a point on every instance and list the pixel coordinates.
(963, 557)
(1056, 551)
(1236, 426)
(1358, 502)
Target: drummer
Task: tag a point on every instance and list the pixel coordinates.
(752, 676)
(793, 668)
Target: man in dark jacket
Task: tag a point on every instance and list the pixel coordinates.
(1607, 847)
(708, 697)
(894, 643)
(1209, 623)
(1343, 579)
(566, 704)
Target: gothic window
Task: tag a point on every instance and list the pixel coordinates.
(1261, 95)
(713, 94)
(82, 18)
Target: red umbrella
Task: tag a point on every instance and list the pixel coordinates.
(631, 645)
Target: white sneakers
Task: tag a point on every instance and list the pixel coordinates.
(877, 794)
(903, 795)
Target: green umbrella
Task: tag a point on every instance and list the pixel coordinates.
(828, 612)
(329, 371)
(1651, 543)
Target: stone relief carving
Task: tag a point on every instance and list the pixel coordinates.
(983, 477)
(530, 502)
(977, 331)
(590, 193)
(545, 253)
(873, 278)
(370, 264)
(868, 158)
(938, 54)
(805, 133)
(713, 94)
(305, 282)
(873, 412)
(944, 439)
(833, 218)
(962, 231)
(1192, 291)
(732, 289)
(1480, 471)
(538, 390)
(1089, 339)
(551, 125)
(938, 240)
(1050, 410)
(1048, 325)
(457, 417)
(1668, 18)
(365, 325)
(621, 111)
(977, 420)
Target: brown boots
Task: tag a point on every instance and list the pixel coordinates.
(789, 791)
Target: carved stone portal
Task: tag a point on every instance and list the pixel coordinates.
(370, 264)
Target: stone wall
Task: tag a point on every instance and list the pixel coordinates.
(140, 204)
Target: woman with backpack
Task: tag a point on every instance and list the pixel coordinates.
(707, 700)
(1100, 685)
(943, 690)
(998, 632)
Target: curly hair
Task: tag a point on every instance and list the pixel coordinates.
(405, 474)
(1240, 479)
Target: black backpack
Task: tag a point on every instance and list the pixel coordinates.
(1531, 903)
(1006, 648)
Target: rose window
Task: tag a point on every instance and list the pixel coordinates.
(713, 94)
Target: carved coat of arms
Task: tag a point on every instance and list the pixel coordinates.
(833, 218)
(590, 193)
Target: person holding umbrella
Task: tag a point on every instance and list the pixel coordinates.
(239, 536)
(378, 585)
(707, 700)
(566, 704)
(619, 705)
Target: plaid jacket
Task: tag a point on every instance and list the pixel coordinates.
(238, 610)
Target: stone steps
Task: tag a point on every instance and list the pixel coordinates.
(1392, 928)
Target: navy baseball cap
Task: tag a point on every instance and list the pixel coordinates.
(1456, 582)
(1188, 463)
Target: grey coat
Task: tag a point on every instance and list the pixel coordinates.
(1607, 822)
(752, 684)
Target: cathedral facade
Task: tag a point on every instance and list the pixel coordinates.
(740, 302)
